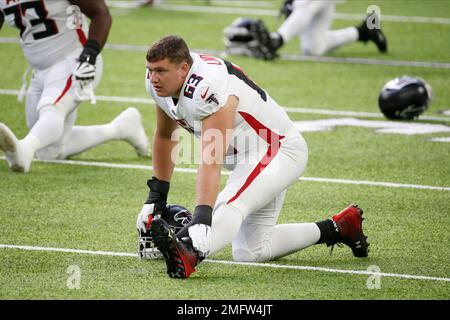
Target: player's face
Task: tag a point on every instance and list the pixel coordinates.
(166, 77)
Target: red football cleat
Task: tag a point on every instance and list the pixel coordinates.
(349, 224)
(180, 256)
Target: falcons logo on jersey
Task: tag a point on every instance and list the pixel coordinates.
(211, 98)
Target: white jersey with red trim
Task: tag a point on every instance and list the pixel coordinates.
(247, 209)
(208, 85)
(46, 35)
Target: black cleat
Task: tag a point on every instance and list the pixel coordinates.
(378, 37)
(262, 36)
(179, 255)
(373, 34)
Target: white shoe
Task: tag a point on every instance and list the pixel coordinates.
(18, 158)
(129, 123)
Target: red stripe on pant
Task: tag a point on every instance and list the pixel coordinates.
(272, 139)
(81, 36)
(66, 88)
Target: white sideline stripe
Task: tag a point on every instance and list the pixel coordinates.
(289, 57)
(190, 170)
(242, 3)
(407, 19)
(274, 13)
(375, 183)
(98, 253)
(354, 113)
(245, 264)
(288, 109)
(100, 98)
(134, 5)
(299, 57)
(367, 61)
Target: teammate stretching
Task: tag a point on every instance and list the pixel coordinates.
(66, 67)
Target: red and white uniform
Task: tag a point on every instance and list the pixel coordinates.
(52, 49)
(44, 34)
(247, 209)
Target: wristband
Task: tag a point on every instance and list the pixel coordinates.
(159, 190)
(90, 52)
(202, 215)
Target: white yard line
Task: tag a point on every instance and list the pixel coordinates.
(235, 3)
(97, 253)
(275, 12)
(288, 109)
(299, 57)
(244, 264)
(190, 170)
(367, 61)
(289, 57)
(407, 19)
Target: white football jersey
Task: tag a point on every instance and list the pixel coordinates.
(206, 89)
(47, 31)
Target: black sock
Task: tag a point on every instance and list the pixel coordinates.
(363, 32)
(329, 231)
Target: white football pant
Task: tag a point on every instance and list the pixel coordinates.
(51, 111)
(51, 108)
(247, 210)
(311, 21)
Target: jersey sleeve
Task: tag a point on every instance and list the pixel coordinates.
(209, 97)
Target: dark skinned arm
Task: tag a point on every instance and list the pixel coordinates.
(101, 20)
(2, 19)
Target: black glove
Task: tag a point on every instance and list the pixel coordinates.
(155, 204)
(90, 52)
(202, 215)
(158, 194)
(85, 69)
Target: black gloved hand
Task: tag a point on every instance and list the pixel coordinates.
(155, 204)
(85, 69)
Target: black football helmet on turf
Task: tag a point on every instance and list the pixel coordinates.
(177, 217)
(404, 98)
(241, 38)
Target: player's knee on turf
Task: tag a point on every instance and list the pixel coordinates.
(247, 254)
(314, 50)
(52, 152)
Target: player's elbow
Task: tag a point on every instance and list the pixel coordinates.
(107, 18)
(101, 15)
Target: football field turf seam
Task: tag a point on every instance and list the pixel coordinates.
(191, 170)
(288, 57)
(287, 109)
(227, 262)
